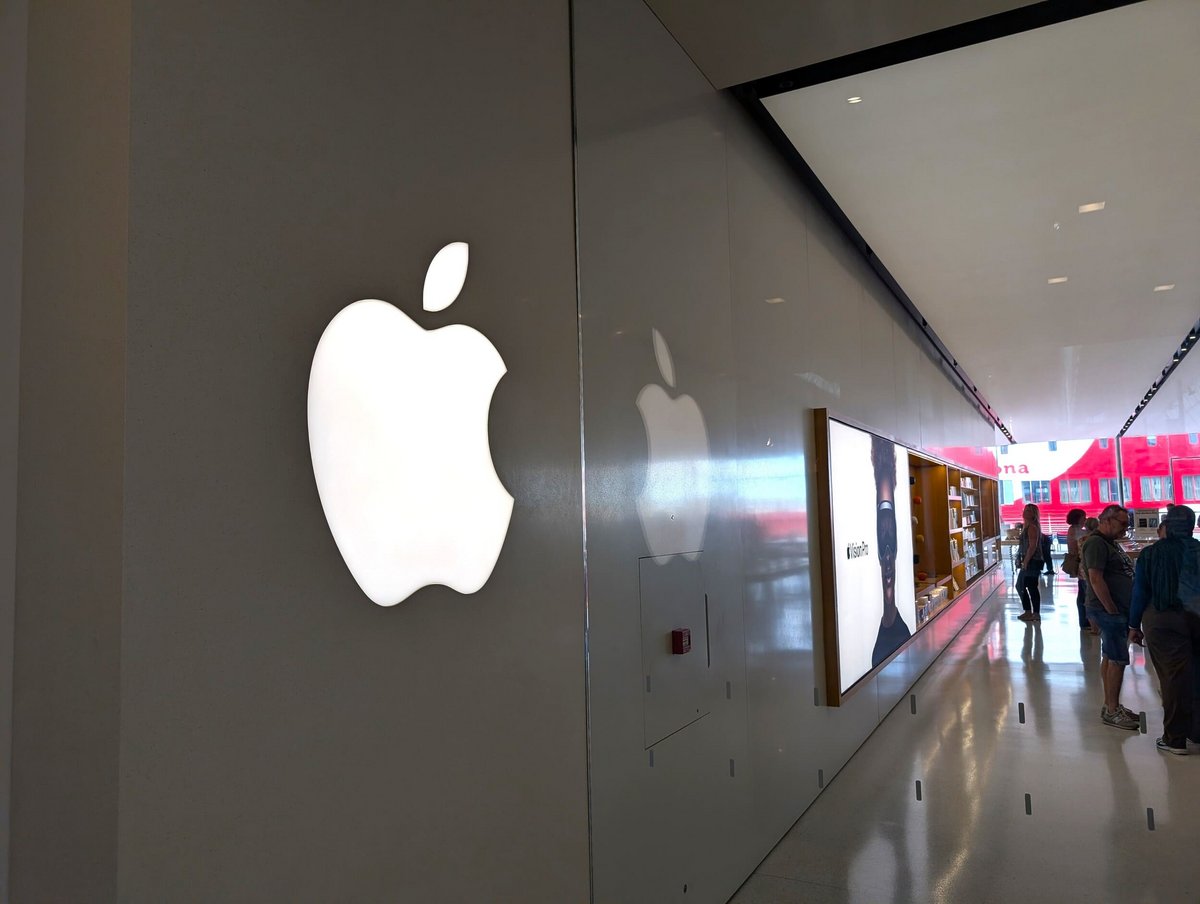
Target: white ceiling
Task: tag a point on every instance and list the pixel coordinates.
(955, 169)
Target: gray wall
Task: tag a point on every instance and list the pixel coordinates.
(14, 21)
(68, 566)
(688, 223)
(284, 739)
(207, 707)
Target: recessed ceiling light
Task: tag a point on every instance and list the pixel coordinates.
(854, 100)
(1164, 288)
(1090, 208)
(774, 301)
(1055, 280)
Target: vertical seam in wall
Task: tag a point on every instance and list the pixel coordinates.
(20, 12)
(808, 205)
(587, 687)
(745, 679)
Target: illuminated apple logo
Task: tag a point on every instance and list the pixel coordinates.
(397, 427)
(673, 506)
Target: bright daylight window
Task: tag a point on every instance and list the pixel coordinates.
(1156, 489)
(1075, 490)
(1191, 487)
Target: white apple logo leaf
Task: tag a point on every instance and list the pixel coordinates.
(398, 430)
(673, 505)
(445, 277)
(662, 355)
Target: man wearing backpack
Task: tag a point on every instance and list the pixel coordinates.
(1109, 593)
(1166, 613)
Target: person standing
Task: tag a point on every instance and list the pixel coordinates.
(1109, 594)
(1076, 531)
(1166, 582)
(1090, 526)
(1029, 554)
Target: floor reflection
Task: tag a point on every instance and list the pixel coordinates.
(868, 838)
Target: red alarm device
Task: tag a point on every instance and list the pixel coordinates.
(681, 641)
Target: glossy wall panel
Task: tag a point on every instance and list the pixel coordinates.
(651, 186)
(69, 570)
(908, 360)
(14, 24)
(242, 723)
(690, 225)
(283, 738)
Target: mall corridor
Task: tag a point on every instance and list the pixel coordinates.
(1024, 795)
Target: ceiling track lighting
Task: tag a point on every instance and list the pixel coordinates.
(1176, 357)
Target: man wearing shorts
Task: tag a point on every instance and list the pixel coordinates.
(1109, 593)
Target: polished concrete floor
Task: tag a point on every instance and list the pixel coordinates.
(1054, 807)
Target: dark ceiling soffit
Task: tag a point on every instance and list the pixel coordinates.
(800, 166)
(989, 28)
(1192, 337)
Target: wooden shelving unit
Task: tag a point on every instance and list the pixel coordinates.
(965, 497)
(989, 510)
(955, 526)
(931, 530)
(954, 502)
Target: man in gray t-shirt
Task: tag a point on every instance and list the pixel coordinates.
(1109, 593)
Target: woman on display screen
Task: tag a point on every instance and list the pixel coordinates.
(892, 629)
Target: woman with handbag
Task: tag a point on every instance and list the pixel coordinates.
(1029, 554)
(1076, 531)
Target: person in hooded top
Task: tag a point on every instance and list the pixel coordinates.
(1165, 613)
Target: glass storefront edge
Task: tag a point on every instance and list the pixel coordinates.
(1148, 473)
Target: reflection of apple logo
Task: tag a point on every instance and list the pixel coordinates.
(397, 426)
(673, 506)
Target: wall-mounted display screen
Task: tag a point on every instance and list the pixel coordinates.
(871, 518)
